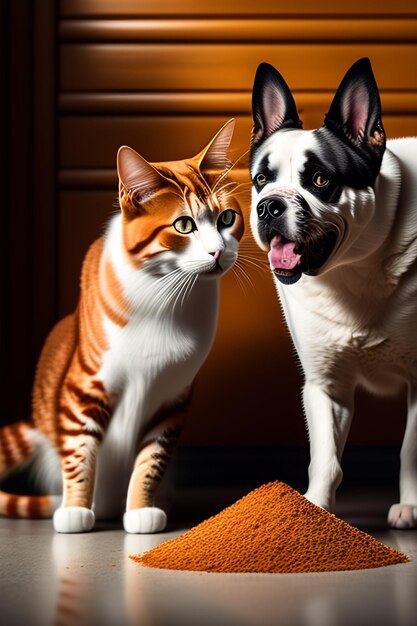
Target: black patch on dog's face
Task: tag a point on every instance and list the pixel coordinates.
(265, 172)
(314, 167)
(345, 165)
(337, 162)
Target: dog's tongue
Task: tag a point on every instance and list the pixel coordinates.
(282, 255)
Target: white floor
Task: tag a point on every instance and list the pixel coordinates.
(68, 580)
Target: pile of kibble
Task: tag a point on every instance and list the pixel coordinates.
(272, 529)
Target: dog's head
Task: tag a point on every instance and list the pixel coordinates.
(313, 191)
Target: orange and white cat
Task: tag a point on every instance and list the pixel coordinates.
(114, 378)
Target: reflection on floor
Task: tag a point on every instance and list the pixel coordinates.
(68, 580)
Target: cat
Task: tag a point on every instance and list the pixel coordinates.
(114, 378)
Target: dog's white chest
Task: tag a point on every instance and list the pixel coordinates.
(359, 341)
(384, 368)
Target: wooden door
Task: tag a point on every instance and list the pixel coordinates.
(163, 76)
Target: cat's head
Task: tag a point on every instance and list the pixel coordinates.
(180, 215)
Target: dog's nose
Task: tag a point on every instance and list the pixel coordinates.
(270, 208)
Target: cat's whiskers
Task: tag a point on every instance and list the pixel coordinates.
(244, 275)
(170, 289)
(182, 291)
(156, 293)
(235, 184)
(254, 252)
(189, 289)
(224, 191)
(227, 172)
(176, 288)
(165, 290)
(253, 263)
(240, 282)
(197, 267)
(148, 294)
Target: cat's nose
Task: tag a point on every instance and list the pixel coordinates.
(217, 254)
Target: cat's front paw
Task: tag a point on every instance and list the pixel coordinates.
(402, 516)
(73, 519)
(148, 519)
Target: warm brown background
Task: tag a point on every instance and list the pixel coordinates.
(81, 77)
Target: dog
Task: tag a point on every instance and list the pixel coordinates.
(335, 208)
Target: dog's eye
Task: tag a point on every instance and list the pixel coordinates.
(260, 180)
(320, 180)
(226, 219)
(185, 225)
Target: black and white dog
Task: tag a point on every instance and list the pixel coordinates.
(336, 210)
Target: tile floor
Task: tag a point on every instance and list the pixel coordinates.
(68, 580)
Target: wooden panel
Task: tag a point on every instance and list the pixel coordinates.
(228, 103)
(88, 179)
(107, 178)
(169, 138)
(158, 138)
(91, 178)
(400, 126)
(233, 7)
(180, 66)
(278, 31)
(231, 103)
(395, 125)
(162, 76)
(82, 218)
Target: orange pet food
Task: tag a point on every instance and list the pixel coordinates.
(272, 529)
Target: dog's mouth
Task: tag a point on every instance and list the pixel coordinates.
(289, 259)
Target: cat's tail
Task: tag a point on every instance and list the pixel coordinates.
(18, 443)
(31, 507)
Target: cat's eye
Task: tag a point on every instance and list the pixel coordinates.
(260, 180)
(320, 180)
(226, 219)
(184, 225)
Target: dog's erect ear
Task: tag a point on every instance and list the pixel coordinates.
(273, 105)
(355, 113)
(214, 155)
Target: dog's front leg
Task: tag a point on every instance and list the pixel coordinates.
(328, 424)
(404, 514)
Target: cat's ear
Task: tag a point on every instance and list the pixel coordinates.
(214, 155)
(273, 105)
(136, 175)
(355, 113)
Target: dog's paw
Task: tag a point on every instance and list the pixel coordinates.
(146, 520)
(73, 519)
(402, 516)
(323, 502)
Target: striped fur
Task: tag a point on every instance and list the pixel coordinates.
(113, 378)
